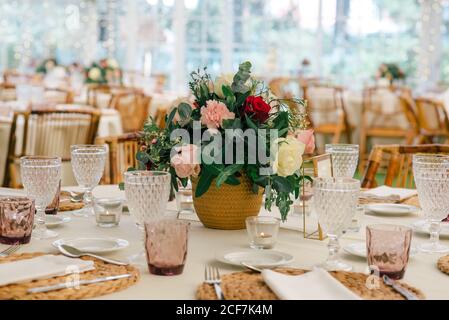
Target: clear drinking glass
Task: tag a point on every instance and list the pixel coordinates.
(431, 174)
(345, 158)
(184, 200)
(166, 246)
(262, 232)
(334, 201)
(147, 194)
(388, 249)
(40, 178)
(16, 220)
(88, 162)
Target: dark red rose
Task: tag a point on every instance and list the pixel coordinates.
(257, 107)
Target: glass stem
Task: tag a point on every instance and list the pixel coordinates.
(40, 220)
(333, 247)
(434, 233)
(87, 198)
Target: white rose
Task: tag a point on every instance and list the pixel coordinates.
(223, 80)
(112, 63)
(94, 74)
(288, 156)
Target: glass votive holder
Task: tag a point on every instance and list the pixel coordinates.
(262, 231)
(108, 211)
(166, 246)
(53, 207)
(359, 212)
(16, 220)
(388, 249)
(184, 200)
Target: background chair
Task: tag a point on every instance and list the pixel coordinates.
(133, 108)
(432, 120)
(47, 133)
(122, 155)
(327, 111)
(395, 161)
(59, 96)
(387, 112)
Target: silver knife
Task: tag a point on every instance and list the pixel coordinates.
(75, 284)
(400, 289)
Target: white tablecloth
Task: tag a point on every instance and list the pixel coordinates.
(205, 243)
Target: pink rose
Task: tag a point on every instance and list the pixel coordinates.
(214, 113)
(185, 162)
(308, 138)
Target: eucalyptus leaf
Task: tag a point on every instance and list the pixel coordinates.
(185, 111)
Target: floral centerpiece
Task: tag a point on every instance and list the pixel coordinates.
(47, 65)
(235, 142)
(106, 71)
(390, 71)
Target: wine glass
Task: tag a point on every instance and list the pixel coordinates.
(41, 177)
(431, 174)
(147, 194)
(344, 159)
(88, 162)
(334, 201)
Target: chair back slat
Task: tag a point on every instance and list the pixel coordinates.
(122, 156)
(48, 133)
(399, 163)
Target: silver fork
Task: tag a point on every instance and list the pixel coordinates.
(212, 276)
(9, 250)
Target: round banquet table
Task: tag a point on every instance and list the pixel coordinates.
(204, 243)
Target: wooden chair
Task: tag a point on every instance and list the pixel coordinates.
(432, 120)
(278, 87)
(159, 117)
(397, 162)
(122, 155)
(58, 95)
(47, 132)
(327, 111)
(376, 123)
(133, 108)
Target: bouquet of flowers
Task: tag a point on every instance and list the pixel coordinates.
(103, 72)
(47, 65)
(235, 127)
(390, 71)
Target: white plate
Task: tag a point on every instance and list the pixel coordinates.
(359, 249)
(422, 226)
(94, 245)
(391, 209)
(256, 258)
(52, 221)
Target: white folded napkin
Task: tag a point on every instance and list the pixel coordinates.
(42, 267)
(389, 193)
(317, 284)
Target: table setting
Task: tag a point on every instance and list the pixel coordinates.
(179, 228)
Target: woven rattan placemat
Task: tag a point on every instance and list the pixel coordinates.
(250, 286)
(443, 264)
(19, 291)
(65, 204)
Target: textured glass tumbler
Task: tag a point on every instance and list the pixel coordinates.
(40, 178)
(166, 246)
(335, 201)
(88, 162)
(388, 249)
(431, 173)
(345, 158)
(147, 194)
(16, 220)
